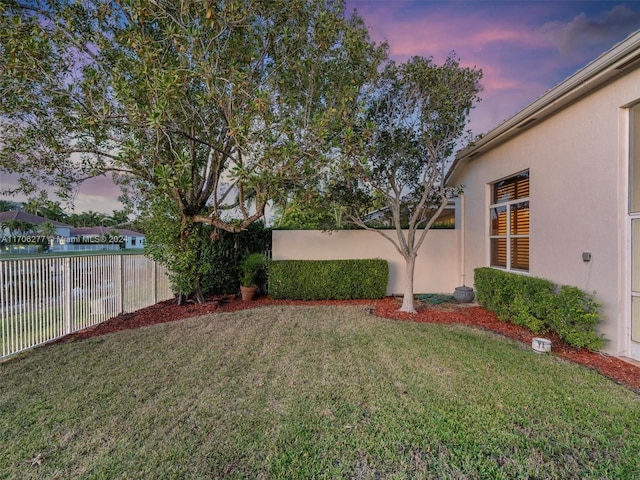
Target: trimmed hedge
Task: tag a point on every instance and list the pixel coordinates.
(541, 306)
(328, 279)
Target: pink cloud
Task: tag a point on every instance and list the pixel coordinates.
(98, 194)
(498, 105)
(494, 78)
(436, 34)
(506, 43)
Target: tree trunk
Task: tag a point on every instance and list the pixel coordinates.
(195, 297)
(191, 275)
(407, 301)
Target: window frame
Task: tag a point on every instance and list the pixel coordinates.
(508, 205)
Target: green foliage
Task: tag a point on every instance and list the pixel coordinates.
(541, 306)
(209, 260)
(224, 255)
(520, 314)
(395, 156)
(6, 205)
(328, 279)
(575, 318)
(180, 254)
(52, 210)
(308, 210)
(47, 229)
(435, 298)
(519, 298)
(251, 268)
(18, 227)
(218, 106)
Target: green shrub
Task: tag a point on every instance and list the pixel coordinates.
(520, 314)
(575, 318)
(328, 279)
(251, 268)
(510, 295)
(223, 256)
(539, 305)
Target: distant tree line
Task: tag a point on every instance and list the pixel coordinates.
(53, 210)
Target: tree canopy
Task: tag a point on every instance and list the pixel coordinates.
(219, 106)
(395, 157)
(204, 111)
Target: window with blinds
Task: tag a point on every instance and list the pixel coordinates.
(509, 217)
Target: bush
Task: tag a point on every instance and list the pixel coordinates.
(223, 256)
(328, 279)
(516, 298)
(575, 318)
(209, 260)
(540, 305)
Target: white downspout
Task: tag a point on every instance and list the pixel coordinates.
(462, 222)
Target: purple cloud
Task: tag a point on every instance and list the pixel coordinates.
(524, 48)
(582, 34)
(98, 194)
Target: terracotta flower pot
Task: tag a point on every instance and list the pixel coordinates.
(248, 293)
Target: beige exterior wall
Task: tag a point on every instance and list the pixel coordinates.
(437, 264)
(578, 163)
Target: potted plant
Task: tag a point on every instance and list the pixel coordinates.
(251, 268)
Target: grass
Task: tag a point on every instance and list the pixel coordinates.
(20, 330)
(310, 392)
(24, 330)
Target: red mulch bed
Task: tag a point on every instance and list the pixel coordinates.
(620, 371)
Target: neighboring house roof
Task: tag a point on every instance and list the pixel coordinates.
(129, 233)
(28, 217)
(104, 231)
(622, 58)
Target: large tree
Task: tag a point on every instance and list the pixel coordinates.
(217, 105)
(396, 156)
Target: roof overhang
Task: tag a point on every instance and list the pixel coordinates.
(622, 58)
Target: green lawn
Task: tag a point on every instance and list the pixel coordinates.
(310, 392)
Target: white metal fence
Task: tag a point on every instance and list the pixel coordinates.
(42, 299)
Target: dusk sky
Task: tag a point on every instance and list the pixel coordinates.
(524, 49)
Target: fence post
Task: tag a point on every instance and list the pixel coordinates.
(155, 281)
(121, 280)
(68, 292)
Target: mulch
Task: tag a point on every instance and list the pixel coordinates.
(618, 370)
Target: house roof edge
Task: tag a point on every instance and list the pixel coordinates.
(620, 59)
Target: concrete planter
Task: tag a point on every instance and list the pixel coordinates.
(464, 294)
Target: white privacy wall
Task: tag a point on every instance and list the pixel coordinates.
(437, 265)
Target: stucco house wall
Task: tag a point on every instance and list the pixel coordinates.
(437, 267)
(578, 162)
